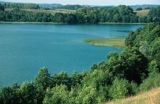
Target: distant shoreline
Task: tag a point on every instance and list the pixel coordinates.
(30, 23)
(2, 22)
(120, 23)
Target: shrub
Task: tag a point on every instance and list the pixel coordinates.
(150, 82)
(119, 88)
(56, 95)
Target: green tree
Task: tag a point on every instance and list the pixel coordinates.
(153, 68)
(57, 95)
(139, 9)
(2, 8)
(29, 94)
(155, 52)
(43, 78)
(10, 95)
(119, 88)
(88, 95)
(131, 65)
(151, 82)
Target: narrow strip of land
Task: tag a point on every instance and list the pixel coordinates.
(110, 42)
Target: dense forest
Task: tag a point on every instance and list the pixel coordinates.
(79, 15)
(134, 70)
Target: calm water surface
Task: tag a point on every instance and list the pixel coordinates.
(24, 48)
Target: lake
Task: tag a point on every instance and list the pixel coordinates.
(24, 48)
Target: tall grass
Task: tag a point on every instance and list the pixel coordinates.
(151, 97)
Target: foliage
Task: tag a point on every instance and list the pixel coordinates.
(153, 68)
(9, 95)
(147, 40)
(2, 7)
(155, 14)
(150, 83)
(119, 88)
(88, 96)
(131, 64)
(56, 95)
(139, 8)
(43, 78)
(21, 5)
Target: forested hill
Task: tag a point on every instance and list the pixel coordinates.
(135, 70)
(76, 14)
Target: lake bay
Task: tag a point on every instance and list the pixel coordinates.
(24, 48)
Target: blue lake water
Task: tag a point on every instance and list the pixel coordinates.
(24, 48)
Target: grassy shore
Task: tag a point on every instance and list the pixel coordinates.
(111, 42)
(150, 97)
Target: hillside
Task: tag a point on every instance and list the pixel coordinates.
(150, 97)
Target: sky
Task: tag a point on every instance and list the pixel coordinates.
(91, 2)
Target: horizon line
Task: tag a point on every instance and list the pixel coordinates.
(74, 4)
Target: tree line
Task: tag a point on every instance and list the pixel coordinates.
(41, 6)
(86, 15)
(134, 70)
(20, 5)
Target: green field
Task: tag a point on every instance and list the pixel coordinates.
(111, 42)
(65, 11)
(142, 13)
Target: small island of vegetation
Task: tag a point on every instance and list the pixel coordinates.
(111, 42)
